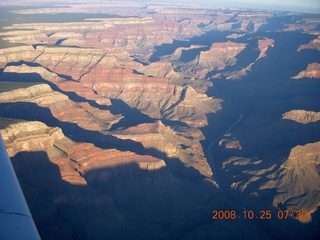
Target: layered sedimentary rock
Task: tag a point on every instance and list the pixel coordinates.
(154, 96)
(181, 143)
(62, 107)
(74, 62)
(117, 149)
(298, 180)
(220, 55)
(99, 73)
(58, 80)
(217, 57)
(22, 136)
(302, 116)
(264, 44)
(17, 54)
(56, 171)
(251, 22)
(312, 71)
(26, 136)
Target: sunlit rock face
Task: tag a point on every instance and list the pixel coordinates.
(264, 44)
(16, 54)
(297, 180)
(314, 44)
(302, 116)
(312, 71)
(175, 143)
(86, 177)
(138, 120)
(61, 107)
(219, 56)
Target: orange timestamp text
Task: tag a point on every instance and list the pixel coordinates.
(262, 214)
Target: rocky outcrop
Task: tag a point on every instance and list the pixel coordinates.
(154, 96)
(251, 22)
(217, 57)
(297, 180)
(72, 158)
(220, 55)
(302, 116)
(264, 44)
(74, 62)
(28, 136)
(59, 174)
(181, 143)
(314, 44)
(116, 150)
(58, 80)
(62, 107)
(16, 54)
(230, 142)
(312, 71)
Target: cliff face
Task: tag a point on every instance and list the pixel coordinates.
(312, 71)
(297, 180)
(62, 108)
(175, 143)
(16, 54)
(24, 136)
(111, 118)
(59, 174)
(154, 96)
(219, 56)
(302, 116)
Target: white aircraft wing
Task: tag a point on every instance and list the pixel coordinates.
(16, 221)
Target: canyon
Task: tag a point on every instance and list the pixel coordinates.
(122, 119)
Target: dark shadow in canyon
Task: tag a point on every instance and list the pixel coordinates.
(130, 203)
(23, 110)
(268, 91)
(206, 39)
(262, 96)
(117, 107)
(126, 202)
(131, 116)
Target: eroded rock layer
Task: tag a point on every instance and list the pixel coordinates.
(298, 180)
(302, 116)
(120, 123)
(56, 171)
(312, 71)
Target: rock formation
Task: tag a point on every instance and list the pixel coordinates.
(312, 71)
(120, 124)
(17, 54)
(302, 116)
(314, 44)
(89, 179)
(217, 57)
(62, 108)
(175, 143)
(297, 180)
(264, 44)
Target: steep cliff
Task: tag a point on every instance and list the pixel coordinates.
(63, 178)
(61, 107)
(182, 143)
(297, 181)
(312, 71)
(217, 57)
